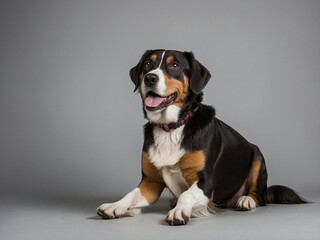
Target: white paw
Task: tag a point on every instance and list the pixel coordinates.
(246, 203)
(112, 210)
(128, 206)
(179, 216)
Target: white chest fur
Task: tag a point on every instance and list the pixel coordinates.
(165, 153)
(166, 150)
(174, 180)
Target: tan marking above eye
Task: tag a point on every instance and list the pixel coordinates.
(153, 57)
(169, 59)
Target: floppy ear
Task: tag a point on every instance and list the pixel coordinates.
(199, 75)
(134, 75)
(135, 71)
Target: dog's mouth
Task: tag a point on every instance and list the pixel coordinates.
(154, 102)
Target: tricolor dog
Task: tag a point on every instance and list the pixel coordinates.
(204, 163)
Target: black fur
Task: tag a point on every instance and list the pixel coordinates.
(282, 195)
(199, 75)
(148, 136)
(228, 154)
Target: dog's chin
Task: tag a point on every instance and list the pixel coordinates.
(155, 103)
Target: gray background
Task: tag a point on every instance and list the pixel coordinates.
(71, 126)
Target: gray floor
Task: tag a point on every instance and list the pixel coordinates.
(69, 219)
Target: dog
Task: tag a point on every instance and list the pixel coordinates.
(204, 163)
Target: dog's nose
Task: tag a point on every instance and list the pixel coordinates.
(151, 79)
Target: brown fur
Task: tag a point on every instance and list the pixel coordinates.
(152, 184)
(190, 164)
(253, 178)
(153, 57)
(169, 59)
(174, 85)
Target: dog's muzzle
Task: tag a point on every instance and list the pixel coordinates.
(151, 80)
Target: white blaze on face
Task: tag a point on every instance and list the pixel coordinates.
(161, 86)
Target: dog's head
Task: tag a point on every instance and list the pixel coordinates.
(166, 79)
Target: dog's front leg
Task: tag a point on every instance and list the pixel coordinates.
(192, 202)
(125, 206)
(145, 194)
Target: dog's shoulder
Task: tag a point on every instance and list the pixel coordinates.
(199, 129)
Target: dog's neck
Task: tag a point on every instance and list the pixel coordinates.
(168, 115)
(171, 118)
(173, 125)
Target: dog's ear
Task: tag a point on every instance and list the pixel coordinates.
(134, 75)
(136, 71)
(199, 75)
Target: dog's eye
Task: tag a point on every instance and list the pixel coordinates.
(174, 66)
(147, 64)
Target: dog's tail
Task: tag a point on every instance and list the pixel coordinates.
(282, 195)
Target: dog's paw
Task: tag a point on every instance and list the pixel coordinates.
(111, 210)
(178, 216)
(246, 203)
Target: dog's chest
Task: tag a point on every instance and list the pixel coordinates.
(166, 150)
(174, 180)
(165, 153)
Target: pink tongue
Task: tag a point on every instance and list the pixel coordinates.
(153, 101)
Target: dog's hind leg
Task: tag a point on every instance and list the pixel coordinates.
(256, 184)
